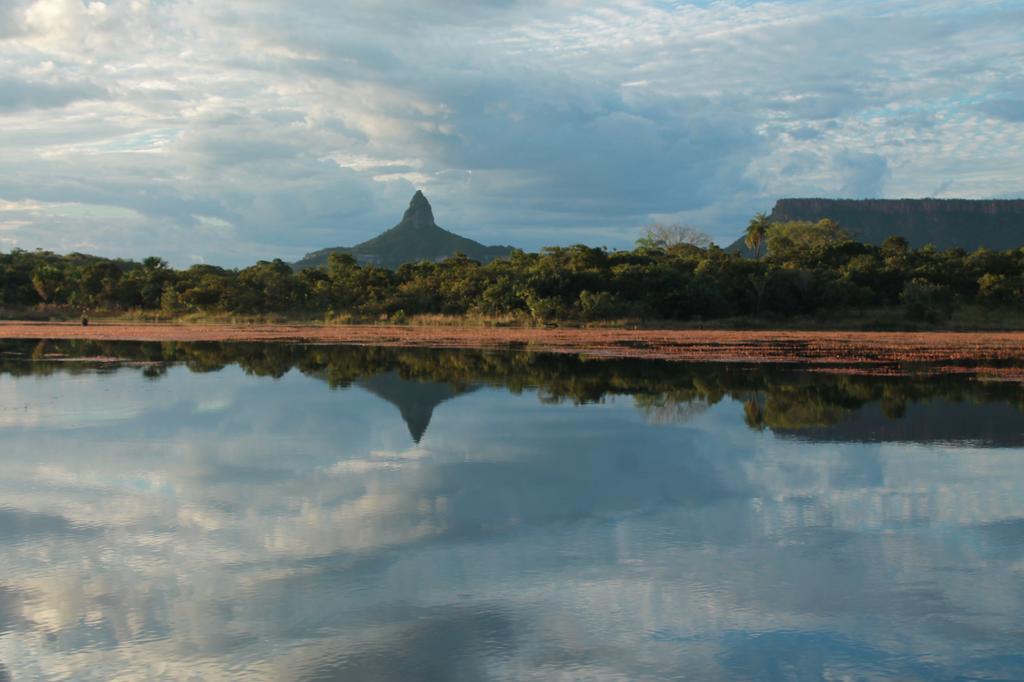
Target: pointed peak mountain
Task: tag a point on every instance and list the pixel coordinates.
(419, 213)
(416, 238)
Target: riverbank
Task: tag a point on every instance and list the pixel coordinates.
(812, 347)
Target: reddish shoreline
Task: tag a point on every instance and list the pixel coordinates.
(682, 345)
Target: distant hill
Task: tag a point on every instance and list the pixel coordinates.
(993, 223)
(415, 239)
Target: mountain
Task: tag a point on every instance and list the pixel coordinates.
(993, 223)
(417, 237)
(415, 400)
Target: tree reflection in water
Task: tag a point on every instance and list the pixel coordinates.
(912, 406)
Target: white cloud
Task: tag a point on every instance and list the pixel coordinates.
(309, 125)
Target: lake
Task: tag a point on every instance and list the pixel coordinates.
(275, 511)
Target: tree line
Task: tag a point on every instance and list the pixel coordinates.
(797, 269)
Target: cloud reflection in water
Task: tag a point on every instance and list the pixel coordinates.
(298, 533)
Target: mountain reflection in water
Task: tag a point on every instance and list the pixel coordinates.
(278, 511)
(415, 400)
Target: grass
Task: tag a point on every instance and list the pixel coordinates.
(965, 318)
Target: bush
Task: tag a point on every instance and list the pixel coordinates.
(997, 290)
(599, 305)
(545, 309)
(926, 301)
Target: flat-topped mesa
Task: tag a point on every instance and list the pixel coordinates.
(419, 213)
(947, 223)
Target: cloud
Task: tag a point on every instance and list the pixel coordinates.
(19, 95)
(864, 174)
(525, 122)
(1006, 109)
(9, 26)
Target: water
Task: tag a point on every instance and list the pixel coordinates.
(272, 511)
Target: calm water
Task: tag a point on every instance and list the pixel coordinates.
(318, 513)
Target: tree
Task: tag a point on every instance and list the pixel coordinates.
(97, 285)
(996, 290)
(895, 246)
(757, 233)
(149, 281)
(797, 240)
(927, 301)
(154, 263)
(48, 281)
(664, 237)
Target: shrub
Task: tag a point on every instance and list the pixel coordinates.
(926, 301)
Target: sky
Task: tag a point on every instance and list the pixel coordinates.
(232, 131)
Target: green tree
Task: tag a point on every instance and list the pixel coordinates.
(996, 290)
(799, 241)
(756, 233)
(926, 301)
(49, 282)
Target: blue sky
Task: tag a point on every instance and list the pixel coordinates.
(244, 129)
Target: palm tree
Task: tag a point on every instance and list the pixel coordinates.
(757, 232)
